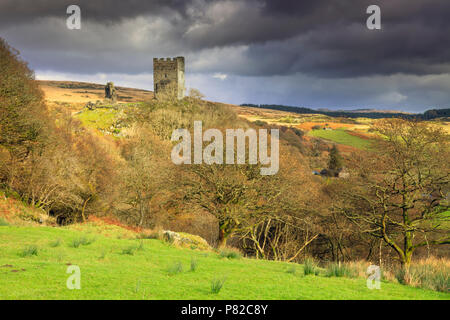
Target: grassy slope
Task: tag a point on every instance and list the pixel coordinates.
(341, 136)
(144, 275)
(99, 119)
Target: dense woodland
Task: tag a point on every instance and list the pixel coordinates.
(393, 207)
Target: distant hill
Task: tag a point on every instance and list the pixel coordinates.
(368, 113)
(373, 111)
(436, 113)
(83, 92)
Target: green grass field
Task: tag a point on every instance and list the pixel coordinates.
(101, 119)
(341, 136)
(113, 268)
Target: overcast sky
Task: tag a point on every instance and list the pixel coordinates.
(317, 54)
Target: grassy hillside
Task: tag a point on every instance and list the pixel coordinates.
(114, 267)
(341, 136)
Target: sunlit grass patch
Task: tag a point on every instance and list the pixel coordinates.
(341, 136)
(158, 272)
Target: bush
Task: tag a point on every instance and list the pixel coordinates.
(260, 123)
(217, 284)
(31, 250)
(175, 268)
(80, 241)
(75, 243)
(55, 243)
(194, 264)
(129, 250)
(423, 275)
(340, 270)
(230, 253)
(438, 281)
(310, 267)
(298, 132)
(402, 276)
(150, 234)
(28, 216)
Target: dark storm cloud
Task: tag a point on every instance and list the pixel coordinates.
(330, 38)
(322, 37)
(286, 44)
(17, 11)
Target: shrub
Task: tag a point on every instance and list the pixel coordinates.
(260, 123)
(31, 250)
(426, 274)
(86, 241)
(217, 284)
(28, 216)
(129, 250)
(149, 234)
(439, 281)
(175, 268)
(55, 243)
(340, 270)
(75, 243)
(80, 241)
(230, 253)
(194, 264)
(310, 267)
(298, 132)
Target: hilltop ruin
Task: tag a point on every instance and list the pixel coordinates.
(168, 77)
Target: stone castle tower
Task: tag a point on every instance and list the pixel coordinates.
(168, 77)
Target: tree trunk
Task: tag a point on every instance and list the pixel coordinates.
(222, 239)
(84, 208)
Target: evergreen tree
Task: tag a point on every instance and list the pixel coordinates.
(334, 161)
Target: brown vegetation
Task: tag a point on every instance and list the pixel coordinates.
(399, 193)
(392, 203)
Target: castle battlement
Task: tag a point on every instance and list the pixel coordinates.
(168, 77)
(168, 59)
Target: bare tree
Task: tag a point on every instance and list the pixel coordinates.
(144, 174)
(398, 193)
